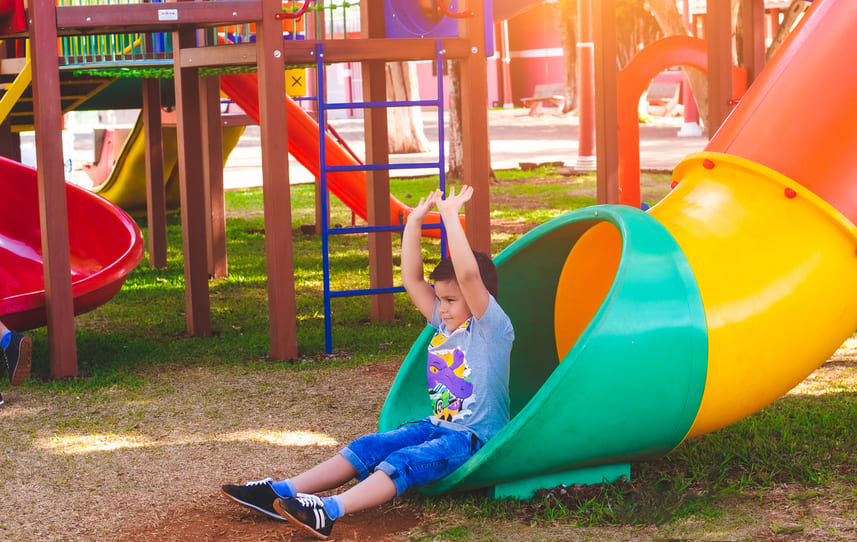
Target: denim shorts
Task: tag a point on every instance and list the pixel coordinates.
(416, 453)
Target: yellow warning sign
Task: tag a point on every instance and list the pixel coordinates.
(296, 82)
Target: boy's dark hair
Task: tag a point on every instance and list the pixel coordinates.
(487, 270)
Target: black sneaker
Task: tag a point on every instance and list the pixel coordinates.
(259, 495)
(18, 354)
(1, 399)
(307, 512)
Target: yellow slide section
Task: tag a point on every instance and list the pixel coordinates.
(126, 186)
(773, 263)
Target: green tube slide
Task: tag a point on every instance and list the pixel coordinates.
(631, 383)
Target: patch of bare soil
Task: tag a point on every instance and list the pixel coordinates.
(222, 520)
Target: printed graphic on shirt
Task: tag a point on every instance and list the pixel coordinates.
(448, 375)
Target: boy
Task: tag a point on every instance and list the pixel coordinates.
(17, 350)
(468, 381)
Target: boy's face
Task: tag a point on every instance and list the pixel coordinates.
(453, 309)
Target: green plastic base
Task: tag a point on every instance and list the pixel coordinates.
(526, 488)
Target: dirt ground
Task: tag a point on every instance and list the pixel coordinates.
(225, 521)
(146, 464)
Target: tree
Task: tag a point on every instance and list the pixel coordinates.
(791, 16)
(671, 23)
(405, 124)
(635, 28)
(567, 25)
(455, 154)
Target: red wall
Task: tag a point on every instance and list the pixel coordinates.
(535, 51)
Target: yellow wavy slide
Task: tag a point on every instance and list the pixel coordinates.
(126, 185)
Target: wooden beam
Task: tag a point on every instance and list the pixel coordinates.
(153, 17)
(275, 184)
(606, 101)
(53, 210)
(303, 52)
(190, 164)
(718, 34)
(236, 119)
(156, 198)
(474, 124)
(753, 39)
(377, 182)
(212, 152)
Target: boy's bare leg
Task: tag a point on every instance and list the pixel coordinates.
(377, 489)
(329, 474)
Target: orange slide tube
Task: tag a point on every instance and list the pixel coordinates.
(348, 186)
(799, 116)
(632, 82)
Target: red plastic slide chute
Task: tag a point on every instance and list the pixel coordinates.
(105, 245)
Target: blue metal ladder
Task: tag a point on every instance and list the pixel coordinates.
(326, 230)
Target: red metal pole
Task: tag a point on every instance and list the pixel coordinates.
(585, 87)
(506, 59)
(690, 127)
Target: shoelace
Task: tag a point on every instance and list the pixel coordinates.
(310, 501)
(260, 482)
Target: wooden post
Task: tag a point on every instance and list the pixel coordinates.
(275, 183)
(53, 210)
(474, 127)
(156, 199)
(753, 42)
(378, 181)
(190, 164)
(718, 32)
(316, 29)
(10, 142)
(606, 102)
(212, 152)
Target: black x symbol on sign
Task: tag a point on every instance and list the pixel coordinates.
(296, 81)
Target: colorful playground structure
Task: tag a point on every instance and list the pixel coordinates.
(153, 39)
(634, 330)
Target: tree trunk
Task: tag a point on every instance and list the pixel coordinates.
(405, 124)
(567, 24)
(455, 154)
(672, 24)
(791, 15)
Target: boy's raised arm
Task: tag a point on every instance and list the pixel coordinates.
(413, 278)
(466, 268)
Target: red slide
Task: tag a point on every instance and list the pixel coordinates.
(348, 186)
(105, 245)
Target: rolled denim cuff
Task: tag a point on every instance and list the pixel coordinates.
(394, 474)
(359, 466)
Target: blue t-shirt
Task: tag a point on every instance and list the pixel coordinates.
(468, 372)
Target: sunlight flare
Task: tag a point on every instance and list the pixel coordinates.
(106, 442)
